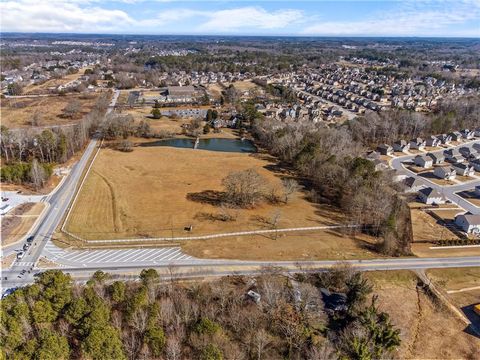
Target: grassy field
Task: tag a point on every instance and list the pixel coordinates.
(144, 194)
(455, 279)
(19, 223)
(164, 123)
(428, 331)
(18, 113)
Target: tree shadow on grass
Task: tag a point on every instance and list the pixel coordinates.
(211, 197)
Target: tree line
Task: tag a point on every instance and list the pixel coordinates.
(331, 161)
(107, 319)
(19, 148)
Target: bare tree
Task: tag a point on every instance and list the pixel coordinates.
(290, 186)
(37, 174)
(174, 348)
(72, 109)
(37, 118)
(244, 188)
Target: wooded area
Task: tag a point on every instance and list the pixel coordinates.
(107, 319)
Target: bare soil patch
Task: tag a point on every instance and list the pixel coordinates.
(429, 225)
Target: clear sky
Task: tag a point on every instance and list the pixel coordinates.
(452, 18)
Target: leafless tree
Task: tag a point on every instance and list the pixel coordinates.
(244, 188)
(290, 186)
(37, 174)
(72, 109)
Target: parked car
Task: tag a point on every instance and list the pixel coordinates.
(30, 239)
(20, 255)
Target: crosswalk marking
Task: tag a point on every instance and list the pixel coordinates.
(65, 257)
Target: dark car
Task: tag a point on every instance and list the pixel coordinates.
(30, 239)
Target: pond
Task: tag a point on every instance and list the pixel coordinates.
(227, 145)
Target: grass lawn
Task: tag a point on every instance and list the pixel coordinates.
(144, 193)
(18, 113)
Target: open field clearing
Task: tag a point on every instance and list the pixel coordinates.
(163, 124)
(244, 85)
(18, 223)
(52, 83)
(18, 113)
(455, 279)
(144, 194)
(428, 330)
(426, 225)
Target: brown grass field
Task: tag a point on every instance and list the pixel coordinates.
(428, 331)
(18, 113)
(427, 228)
(17, 225)
(144, 194)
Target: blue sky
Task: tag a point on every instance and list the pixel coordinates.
(452, 18)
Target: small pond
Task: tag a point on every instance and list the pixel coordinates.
(227, 145)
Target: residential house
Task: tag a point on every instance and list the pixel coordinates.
(412, 184)
(445, 172)
(452, 155)
(418, 143)
(430, 196)
(469, 223)
(385, 149)
(463, 169)
(401, 146)
(436, 157)
(423, 161)
(456, 136)
(445, 139)
(475, 164)
(380, 164)
(432, 141)
(467, 134)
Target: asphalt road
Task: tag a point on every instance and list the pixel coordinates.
(58, 204)
(449, 191)
(199, 268)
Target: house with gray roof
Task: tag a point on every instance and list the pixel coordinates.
(469, 223)
(431, 196)
(445, 172)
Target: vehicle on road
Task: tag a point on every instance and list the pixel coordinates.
(20, 255)
(30, 239)
(26, 246)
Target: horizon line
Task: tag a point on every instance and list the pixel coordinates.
(251, 35)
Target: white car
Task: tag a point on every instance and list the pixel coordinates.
(20, 255)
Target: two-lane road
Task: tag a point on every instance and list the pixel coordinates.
(58, 204)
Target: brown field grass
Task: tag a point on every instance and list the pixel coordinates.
(17, 225)
(456, 278)
(18, 113)
(427, 228)
(423, 250)
(164, 123)
(144, 194)
(8, 260)
(427, 330)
